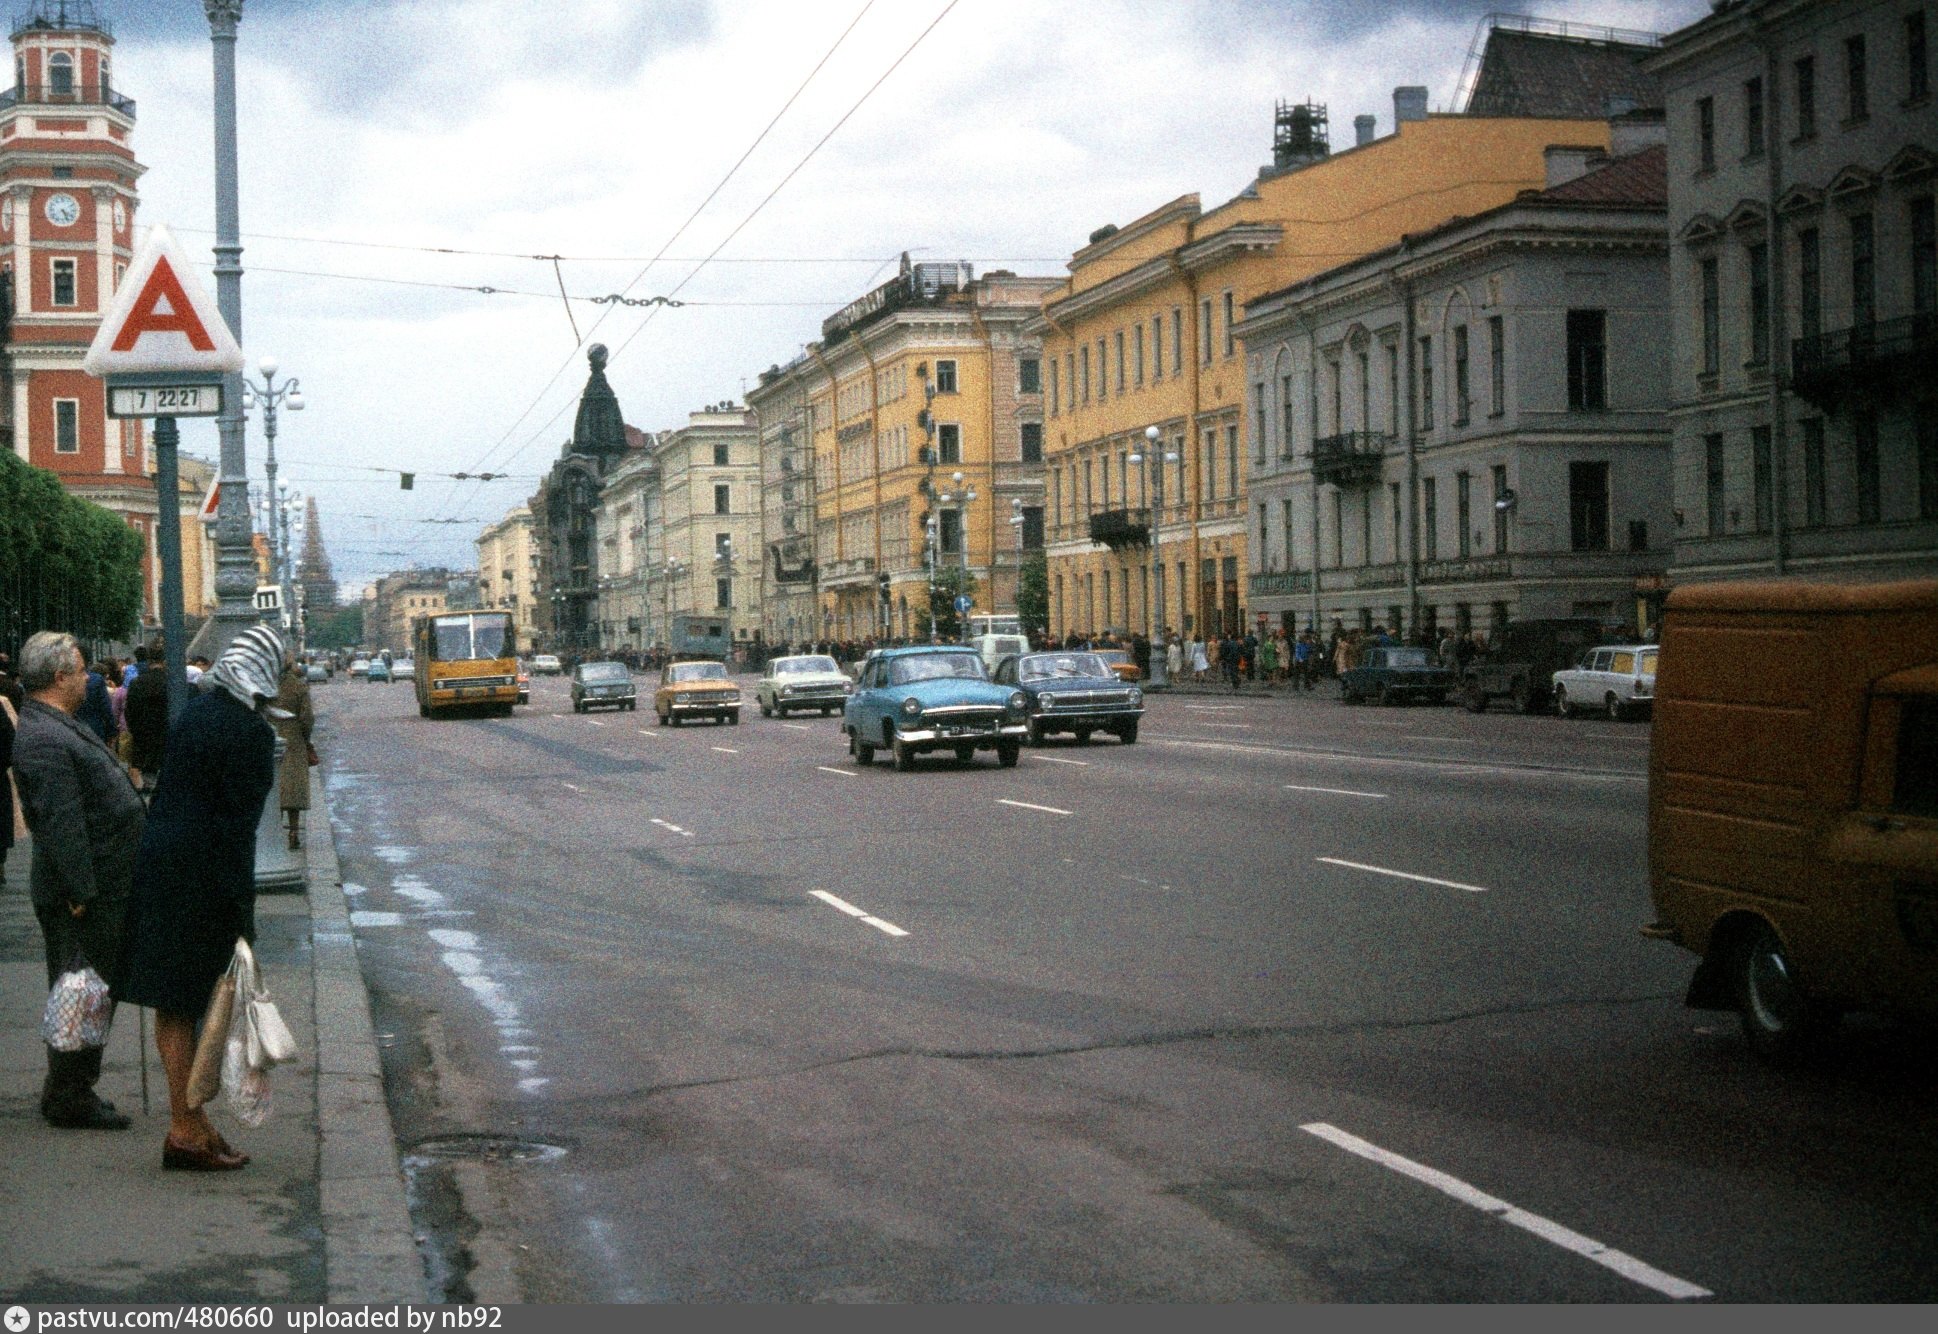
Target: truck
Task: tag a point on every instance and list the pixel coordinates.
(700, 636)
(1521, 661)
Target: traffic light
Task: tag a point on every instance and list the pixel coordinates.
(881, 583)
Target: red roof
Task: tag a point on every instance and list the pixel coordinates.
(1639, 178)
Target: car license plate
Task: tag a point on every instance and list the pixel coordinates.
(968, 729)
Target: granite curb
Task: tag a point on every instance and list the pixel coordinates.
(369, 1246)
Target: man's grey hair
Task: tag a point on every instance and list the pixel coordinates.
(45, 656)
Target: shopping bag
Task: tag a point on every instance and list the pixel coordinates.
(79, 1009)
(267, 1038)
(205, 1072)
(245, 1089)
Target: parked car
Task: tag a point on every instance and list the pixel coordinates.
(809, 681)
(315, 674)
(911, 700)
(1618, 680)
(1074, 692)
(1793, 805)
(1120, 662)
(360, 667)
(403, 668)
(547, 664)
(1395, 674)
(603, 685)
(696, 690)
(1522, 659)
(376, 670)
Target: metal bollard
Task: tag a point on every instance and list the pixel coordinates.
(280, 869)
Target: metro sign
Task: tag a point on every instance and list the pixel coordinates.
(162, 339)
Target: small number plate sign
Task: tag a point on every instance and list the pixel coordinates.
(165, 400)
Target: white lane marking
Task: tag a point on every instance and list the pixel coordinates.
(1405, 875)
(1140, 880)
(1462, 740)
(1587, 1247)
(799, 727)
(365, 918)
(1215, 708)
(594, 722)
(1463, 767)
(646, 731)
(888, 927)
(726, 750)
(574, 786)
(1335, 791)
(1058, 759)
(672, 828)
(845, 773)
(1032, 806)
(1242, 727)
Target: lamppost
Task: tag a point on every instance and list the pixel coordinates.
(269, 396)
(675, 569)
(1153, 460)
(235, 582)
(966, 495)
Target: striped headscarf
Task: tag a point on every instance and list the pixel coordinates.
(251, 666)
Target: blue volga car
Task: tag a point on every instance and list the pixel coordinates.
(909, 700)
(1074, 691)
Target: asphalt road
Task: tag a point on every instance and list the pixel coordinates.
(1289, 1001)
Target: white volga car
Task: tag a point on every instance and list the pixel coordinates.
(1616, 681)
(793, 685)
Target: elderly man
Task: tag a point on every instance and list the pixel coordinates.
(85, 817)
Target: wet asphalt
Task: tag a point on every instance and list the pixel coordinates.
(1289, 1001)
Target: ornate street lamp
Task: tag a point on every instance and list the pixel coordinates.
(1153, 459)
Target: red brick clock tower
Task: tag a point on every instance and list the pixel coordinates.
(67, 213)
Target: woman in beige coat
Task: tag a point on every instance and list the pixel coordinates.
(294, 727)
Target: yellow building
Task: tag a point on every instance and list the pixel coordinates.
(1140, 335)
(195, 478)
(508, 572)
(924, 401)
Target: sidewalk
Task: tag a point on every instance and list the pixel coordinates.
(319, 1215)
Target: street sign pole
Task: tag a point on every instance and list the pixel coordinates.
(168, 531)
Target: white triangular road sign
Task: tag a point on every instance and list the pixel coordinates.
(161, 320)
(212, 502)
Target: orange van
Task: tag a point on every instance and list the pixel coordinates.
(1793, 802)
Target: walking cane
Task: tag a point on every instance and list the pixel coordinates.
(143, 1032)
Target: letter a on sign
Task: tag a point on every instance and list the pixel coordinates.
(161, 321)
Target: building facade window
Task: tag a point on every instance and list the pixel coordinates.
(1204, 331)
(723, 592)
(1857, 88)
(1864, 466)
(1137, 355)
(949, 536)
(1393, 389)
(1393, 497)
(1177, 340)
(1814, 508)
(1712, 333)
(1120, 361)
(1426, 384)
(1231, 459)
(1029, 375)
(1705, 134)
(1103, 369)
(1587, 360)
(1464, 514)
(1461, 384)
(1157, 347)
(1497, 366)
(64, 294)
(1500, 510)
(1759, 264)
(1070, 381)
(1762, 480)
(1429, 521)
(722, 456)
(1753, 118)
(1286, 430)
(1924, 258)
(1805, 83)
(1259, 422)
(1083, 372)
(67, 426)
(722, 500)
(1713, 479)
(1053, 396)
(1231, 322)
(1030, 442)
(1032, 528)
(1917, 63)
(945, 376)
(1863, 270)
(1810, 283)
(1588, 506)
(60, 74)
(948, 442)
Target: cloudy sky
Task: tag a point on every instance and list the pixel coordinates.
(399, 155)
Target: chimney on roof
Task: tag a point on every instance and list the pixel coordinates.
(1569, 162)
(1637, 130)
(1409, 103)
(1363, 130)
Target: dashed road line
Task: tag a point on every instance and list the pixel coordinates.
(672, 828)
(1214, 708)
(799, 727)
(1032, 806)
(888, 928)
(1334, 791)
(647, 731)
(726, 750)
(1548, 1230)
(1058, 759)
(1244, 727)
(594, 722)
(1404, 875)
(574, 786)
(845, 773)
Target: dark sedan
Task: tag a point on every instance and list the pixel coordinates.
(1395, 674)
(1075, 692)
(607, 684)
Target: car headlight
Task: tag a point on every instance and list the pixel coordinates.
(1018, 701)
(1137, 696)
(911, 706)
(787, 690)
(733, 697)
(1046, 699)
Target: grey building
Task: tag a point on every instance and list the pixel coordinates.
(789, 599)
(1804, 290)
(1472, 425)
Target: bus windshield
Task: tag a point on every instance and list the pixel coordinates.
(470, 637)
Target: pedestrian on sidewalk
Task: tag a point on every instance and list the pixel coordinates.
(296, 729)
(12, 824)
(1173, 658)
(147, 712)
(85, 817)
(195, 889)
(1200, 659)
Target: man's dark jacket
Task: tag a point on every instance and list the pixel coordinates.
(81, 807)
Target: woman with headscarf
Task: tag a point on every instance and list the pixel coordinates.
(297, 724)
(195, 888)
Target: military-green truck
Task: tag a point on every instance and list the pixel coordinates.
(1521, 661)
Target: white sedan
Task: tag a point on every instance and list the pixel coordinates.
(1616, 680)
(796, 684)
(547, 664)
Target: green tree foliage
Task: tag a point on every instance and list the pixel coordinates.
(65, 564)
(336, 627)
(1033, 593)
(942, 621)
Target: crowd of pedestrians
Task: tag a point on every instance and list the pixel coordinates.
(144, 841)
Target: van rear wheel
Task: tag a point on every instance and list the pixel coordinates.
(1780, 1020)
(1615, 710)
(1563, 707)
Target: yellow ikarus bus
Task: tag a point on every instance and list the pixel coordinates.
(465, 659)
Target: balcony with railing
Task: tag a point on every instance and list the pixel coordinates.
(1121, 529)
(1351, 458)
(77, 95)
(843, 573)
(1865, 361)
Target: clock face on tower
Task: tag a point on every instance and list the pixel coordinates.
(63, 210)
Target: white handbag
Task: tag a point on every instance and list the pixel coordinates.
(269, 1040)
